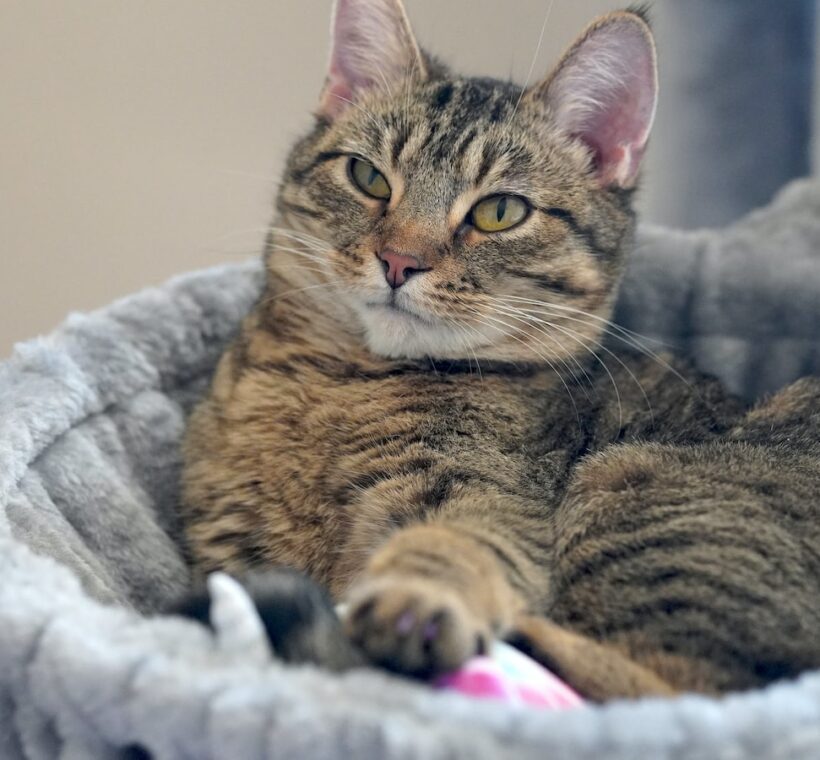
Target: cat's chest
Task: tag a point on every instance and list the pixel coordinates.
(320, 411)
(335, 433)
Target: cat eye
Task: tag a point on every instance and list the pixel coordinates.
(499, 213)
(369, 179)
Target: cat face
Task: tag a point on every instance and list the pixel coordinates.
(462, 218)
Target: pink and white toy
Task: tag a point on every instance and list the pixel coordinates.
(512, 677)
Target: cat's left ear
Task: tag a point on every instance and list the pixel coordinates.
(373, 47)
(605, 91)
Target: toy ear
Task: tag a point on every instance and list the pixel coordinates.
(373, 46)
(605, 91)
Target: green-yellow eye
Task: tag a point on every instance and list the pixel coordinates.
(369, 179)
(498, 213)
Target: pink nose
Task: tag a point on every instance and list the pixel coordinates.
(398, 268)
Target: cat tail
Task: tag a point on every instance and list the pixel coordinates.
(596, 671)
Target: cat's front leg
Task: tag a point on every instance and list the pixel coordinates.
(433, 596)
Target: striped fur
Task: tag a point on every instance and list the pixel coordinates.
(460, 459)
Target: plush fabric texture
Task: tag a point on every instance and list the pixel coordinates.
(90, 424)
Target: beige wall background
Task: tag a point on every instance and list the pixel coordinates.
(142, 138)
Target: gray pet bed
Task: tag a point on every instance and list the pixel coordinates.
(90, 424)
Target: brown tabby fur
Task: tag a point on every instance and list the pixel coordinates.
(645, 537)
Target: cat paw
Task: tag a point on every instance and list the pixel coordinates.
(414, 626)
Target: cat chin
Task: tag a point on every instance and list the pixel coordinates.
(399, 335)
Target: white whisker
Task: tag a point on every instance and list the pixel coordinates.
(299, 252)
(367, 113)
(300, 267)
(277, 296)
(524, 317)
(578, 338)
(304, 238)
(482, 318)
(563, 360)
(462, 329)
(632, 339)
(534, 59)
(609, 353)
(563, 307)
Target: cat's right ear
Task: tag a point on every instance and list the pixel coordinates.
(604, 92)
(373, 47)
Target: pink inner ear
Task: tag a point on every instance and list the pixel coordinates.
(337, 95)
(605, 94)
(619, 133)
(372, 47)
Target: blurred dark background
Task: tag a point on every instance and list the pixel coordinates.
(737, 110)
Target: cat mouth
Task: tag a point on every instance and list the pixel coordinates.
(391, 307)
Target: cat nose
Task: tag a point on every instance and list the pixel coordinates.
(398, 267)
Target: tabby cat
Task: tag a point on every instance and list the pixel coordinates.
(429, 414)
